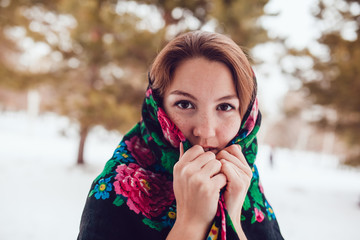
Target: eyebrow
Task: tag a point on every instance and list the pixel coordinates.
(185, 94)
(181, 93)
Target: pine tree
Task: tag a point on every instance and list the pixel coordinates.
(336, 82)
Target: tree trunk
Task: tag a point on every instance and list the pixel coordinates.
(83, 134)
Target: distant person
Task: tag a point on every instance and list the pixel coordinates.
(271, 156)
(186, 170)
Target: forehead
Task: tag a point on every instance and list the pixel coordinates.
(202, 76)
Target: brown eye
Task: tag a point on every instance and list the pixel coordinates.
(225, 107)
(184, 104)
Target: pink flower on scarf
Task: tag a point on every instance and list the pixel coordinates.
(250, 122)
(259, 215)
(169, 129)
(146, 192)
(148, 92)
(140, 151)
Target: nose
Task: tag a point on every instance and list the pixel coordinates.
(205, 126)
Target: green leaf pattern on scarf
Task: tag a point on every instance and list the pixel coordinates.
(168, 160)
(118, 201)
(156, 225)
(247, 203)
(109, 166)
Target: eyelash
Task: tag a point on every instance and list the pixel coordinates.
(178, 104)
(228, 106)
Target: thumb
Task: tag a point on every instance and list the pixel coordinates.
(181, 148)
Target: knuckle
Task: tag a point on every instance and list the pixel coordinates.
(177, 167)
(205, 190)
(196, 180)
(198, 148)
(234, 147)
(210, 154)
(222, 151)
(186, 171)
(225, 164)
(221, 154)
(217, 163)
(182, 170)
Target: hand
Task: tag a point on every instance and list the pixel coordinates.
(238, 174)
(197, 184)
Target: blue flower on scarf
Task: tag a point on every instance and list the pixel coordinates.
(121, 154)
(255, 172)
(169, 219)
(103, 188)
(243, 134)
(270, 211)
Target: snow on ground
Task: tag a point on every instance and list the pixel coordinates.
(312, 196)
(43, 192)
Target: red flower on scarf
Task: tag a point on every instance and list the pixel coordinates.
(140, 151)
(259, 215)
(146, 192)
(169, 129)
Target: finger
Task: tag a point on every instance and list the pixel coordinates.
(233, 154)
(231, 170)
(211, 168)
(200, 161)
(191, 154)
(181, 149)
(219, 180)
(235, 150)
(193, 160)
(238, 182)
(225, 154)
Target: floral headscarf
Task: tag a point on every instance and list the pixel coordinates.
(138, 180)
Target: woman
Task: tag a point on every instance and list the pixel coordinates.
(186, 170)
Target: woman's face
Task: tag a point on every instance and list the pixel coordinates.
(202, 102)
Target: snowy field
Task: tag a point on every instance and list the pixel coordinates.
(43, 192)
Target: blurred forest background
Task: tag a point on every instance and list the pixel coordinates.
(88, 60)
